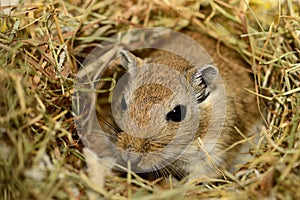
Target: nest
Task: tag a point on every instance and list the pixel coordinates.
(42, 46)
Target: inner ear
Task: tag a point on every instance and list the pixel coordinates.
(201, 80)
(129, 61)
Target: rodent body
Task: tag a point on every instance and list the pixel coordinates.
(165, 112)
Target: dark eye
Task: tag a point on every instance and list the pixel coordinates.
(177, 114)
(123, 104)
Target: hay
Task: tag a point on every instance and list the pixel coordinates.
(42, 45)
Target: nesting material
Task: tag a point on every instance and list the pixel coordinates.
(42, 45)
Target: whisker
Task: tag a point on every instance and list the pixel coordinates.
(114, 128)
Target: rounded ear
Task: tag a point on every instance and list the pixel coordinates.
(209, 73)
(201, 80)
(129, 61)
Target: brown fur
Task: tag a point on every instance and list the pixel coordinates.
(149, 133)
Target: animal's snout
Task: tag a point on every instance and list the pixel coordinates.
(132, 148)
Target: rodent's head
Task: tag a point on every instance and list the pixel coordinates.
(158, 108)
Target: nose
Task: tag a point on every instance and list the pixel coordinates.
(131, 148)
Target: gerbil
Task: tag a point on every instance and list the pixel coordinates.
(165, 111)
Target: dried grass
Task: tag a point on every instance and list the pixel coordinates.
(42, 44)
